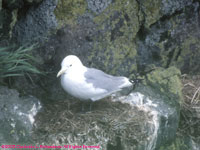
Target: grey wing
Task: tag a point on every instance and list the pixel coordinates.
(99, 79)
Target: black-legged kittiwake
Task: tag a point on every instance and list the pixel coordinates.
(88, 83)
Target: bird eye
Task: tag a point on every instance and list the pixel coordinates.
(70, 65)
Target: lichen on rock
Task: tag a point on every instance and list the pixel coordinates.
(68, 11)
(166, 81)
(118, 25)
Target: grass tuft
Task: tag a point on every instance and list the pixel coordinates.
(17, 62)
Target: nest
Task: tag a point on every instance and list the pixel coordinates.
(107, 123)
(190, 111)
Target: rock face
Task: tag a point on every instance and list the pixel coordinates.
(167, 83)
(37, 23)
(16, 116)
(122, 39)
(171, 40)
(98, 6)
(117, 37)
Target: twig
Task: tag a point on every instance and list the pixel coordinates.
(195, 94)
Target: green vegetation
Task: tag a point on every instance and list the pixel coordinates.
(167, 81)
(17, 62)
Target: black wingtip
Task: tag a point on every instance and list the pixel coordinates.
(136, 81)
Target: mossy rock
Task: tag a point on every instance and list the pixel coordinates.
(167, 82)
(172, 41)
(151, 11)
(119, 25)
(68, 11)
(190, 54)
(111, 47)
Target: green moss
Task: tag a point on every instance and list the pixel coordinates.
(188, 54)
(185, 50)
(67, 11)
(115, 54)
(126, 12)
(116, 46)
(184, 54)
(166, 81)
(151, 10)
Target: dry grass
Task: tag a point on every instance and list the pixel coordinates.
(64, 122)
(190, 111)
(191, 89)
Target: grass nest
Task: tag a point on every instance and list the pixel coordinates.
(190, 111)
(107, 123)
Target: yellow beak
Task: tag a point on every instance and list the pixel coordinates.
(61, 72)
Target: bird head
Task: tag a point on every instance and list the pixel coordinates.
(69, 63)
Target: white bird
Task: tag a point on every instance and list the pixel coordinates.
(88, 83)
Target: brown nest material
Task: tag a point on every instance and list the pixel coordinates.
(190, 111)
(64, 123)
